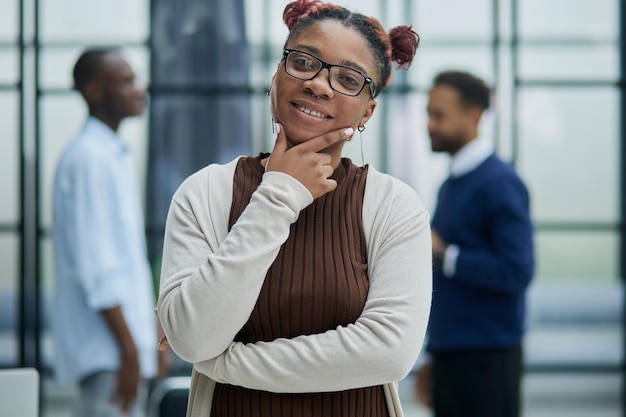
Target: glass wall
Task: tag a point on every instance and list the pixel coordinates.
(568, 141)
(10, 185)
(555, 69)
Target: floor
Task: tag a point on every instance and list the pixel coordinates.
(545, 395)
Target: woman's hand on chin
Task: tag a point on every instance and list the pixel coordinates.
(304, 161)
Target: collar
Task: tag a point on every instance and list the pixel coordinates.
(470, 156)
(102, 130)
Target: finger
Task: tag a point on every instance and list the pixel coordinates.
(280, 146)
(324, 141)
(325, 159)
(128, 401)
(327, 171)
(119, 400)
(163, 344)
(331, 184)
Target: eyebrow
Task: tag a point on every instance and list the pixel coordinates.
(345, 62)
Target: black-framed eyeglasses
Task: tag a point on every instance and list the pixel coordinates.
(344, 80)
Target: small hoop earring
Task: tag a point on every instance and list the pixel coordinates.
(361, 129)
(269, 90)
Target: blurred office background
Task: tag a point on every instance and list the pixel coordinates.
(558, 71)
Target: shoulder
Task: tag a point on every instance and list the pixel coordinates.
(91, 142)
(214, 179)
(494, 167)
(501, 182)
(392, 212)
(494, 174)
(84, 157)
(390, 204)
(388, 190)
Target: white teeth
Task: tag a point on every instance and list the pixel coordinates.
(312, 112)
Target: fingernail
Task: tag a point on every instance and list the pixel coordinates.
(349, 131)
(277, 128)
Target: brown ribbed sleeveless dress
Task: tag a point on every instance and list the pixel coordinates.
(317, 282)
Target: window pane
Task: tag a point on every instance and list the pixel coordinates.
(501, 103)
(262, 139)
(276, 29)
(99, 22)
(190, 51)
(588, 257)
(9, 252)
(429, 61)
(9, 19)
(255, 13)
(568, 152)
(396, 13)
(260, 69)
(565, 343)
(9, 62)
(57, 64)
(598, 62)
(574, 323)
(210, 126)
(572, 394)
(9, 157)
(367, 7)
(453, 19)
(576, 19)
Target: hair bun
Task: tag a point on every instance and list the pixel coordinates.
(404, 43)
(298, 9)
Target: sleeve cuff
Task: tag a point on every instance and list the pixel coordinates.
(101, 296)
(449, 260)
(289, 190)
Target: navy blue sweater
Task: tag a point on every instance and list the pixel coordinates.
(486, 214)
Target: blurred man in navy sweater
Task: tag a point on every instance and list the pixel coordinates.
(483, 263)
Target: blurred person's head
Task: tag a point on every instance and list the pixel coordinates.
(107, 83)
(334, 64)
(456, 103)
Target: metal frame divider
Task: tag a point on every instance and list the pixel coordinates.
(622, 228)
(29, 304)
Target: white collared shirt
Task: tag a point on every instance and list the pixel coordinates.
(470, 156)
(100, 256)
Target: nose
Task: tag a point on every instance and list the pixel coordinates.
(431, 124)
(141, 92)
(320, 84)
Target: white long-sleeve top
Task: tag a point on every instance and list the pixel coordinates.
(211, 279)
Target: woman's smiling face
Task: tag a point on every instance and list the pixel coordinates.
(308, 109)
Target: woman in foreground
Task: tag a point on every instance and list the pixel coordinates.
(297, 283)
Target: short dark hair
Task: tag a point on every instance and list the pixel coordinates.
(88, 65)
(472, 89)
